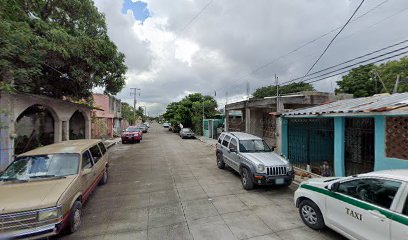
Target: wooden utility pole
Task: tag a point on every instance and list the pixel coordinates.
(134, 102)
(396, 84)
(277, 92)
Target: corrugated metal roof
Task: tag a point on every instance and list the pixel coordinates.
(376, 103)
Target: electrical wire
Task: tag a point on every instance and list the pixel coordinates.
(334, 38)
(351, 60)
(196, 16)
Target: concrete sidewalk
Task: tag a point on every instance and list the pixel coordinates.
(208, 141)
(110, 142)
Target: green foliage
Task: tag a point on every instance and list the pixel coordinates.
(366, 80)
(189, 111)
(69, 36)
(127, 113)
(270, 91)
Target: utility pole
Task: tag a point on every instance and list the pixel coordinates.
(277, 92)
(396, 84)
(133, 92)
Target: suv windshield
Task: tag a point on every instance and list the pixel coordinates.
(254, 145)
(42, 166)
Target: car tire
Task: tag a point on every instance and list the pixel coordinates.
(138, 141)
(75, 217)
(105, 177)
(311, 215)
(220, 161)
(246, 179)
(123, 142)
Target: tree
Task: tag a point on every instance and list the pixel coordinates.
(270, 91)
(57, 48)
(189, 111)
(368, 80)
(128, 115)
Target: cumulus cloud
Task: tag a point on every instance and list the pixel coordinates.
(169, 56)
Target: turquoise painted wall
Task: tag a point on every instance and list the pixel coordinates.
(381, 161)
(339, 130)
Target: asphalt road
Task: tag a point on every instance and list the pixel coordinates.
(170, 188)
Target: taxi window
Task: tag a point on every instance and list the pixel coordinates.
(96, 153)
(405, 210)
(86, 160)
(379, 192)
(102, 147)
(226, 141)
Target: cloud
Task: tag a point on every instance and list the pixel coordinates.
(219, 49)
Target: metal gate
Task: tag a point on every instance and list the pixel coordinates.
(311, 142)
(359, 145)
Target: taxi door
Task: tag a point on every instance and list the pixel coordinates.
(399, 223)
(359, 206)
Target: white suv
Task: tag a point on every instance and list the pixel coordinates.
(253, 159)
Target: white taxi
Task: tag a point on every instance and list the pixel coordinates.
(371, 206)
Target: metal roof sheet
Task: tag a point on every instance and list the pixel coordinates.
(376, 103)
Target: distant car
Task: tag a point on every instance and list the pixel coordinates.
(166, 125)
(143, 127)
(187, 133)
(147, 124)
(367, 206)
(42, 191)
(131, 135)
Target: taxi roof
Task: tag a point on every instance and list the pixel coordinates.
(71, 146)
(400, 174)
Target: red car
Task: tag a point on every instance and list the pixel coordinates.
(132, 135)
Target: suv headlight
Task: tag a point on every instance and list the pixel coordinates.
(48, 214)
(289, 167)
(260, 168)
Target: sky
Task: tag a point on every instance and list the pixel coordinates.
(174, 48)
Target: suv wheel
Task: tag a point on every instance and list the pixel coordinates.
(246, 179)
(311, 215)
(220, 161)
(75, 218)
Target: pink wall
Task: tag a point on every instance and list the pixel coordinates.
(102, 101)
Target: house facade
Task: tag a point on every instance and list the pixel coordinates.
(28, 121)
(107, 116)
(352, 136)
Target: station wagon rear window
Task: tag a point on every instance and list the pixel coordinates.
(42, 166)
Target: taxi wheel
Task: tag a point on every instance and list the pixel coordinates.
(311, 215)
(246, 179)
(220, 161)
(75, 218)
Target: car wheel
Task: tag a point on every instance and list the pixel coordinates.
(138, 141)
(123, 142)
(311, 215)
(220, 161)
(104, 179)
(246, 179)
(75, 217)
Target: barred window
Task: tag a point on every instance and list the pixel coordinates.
(396, 137)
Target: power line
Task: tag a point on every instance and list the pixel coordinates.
(359, 57)
(380, 60)
(196, 16)
(330, 43)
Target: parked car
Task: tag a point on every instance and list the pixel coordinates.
(147, 124)
(143, 127)
(187, 133)
(367, 206)
(253, 159)
(175, 128)
(42, 191)
(166, 125)
(131, 135)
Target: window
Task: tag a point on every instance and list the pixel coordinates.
(405, 210)
(396, 135)
(379, 192)
(96, 153)
(226, 141)
(255, 145)
(86, 160)
(102, 147)
(220, 138)
(233, 144)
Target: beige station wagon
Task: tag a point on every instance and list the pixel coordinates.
(42, 191)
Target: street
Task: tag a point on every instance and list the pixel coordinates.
(170, 188)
